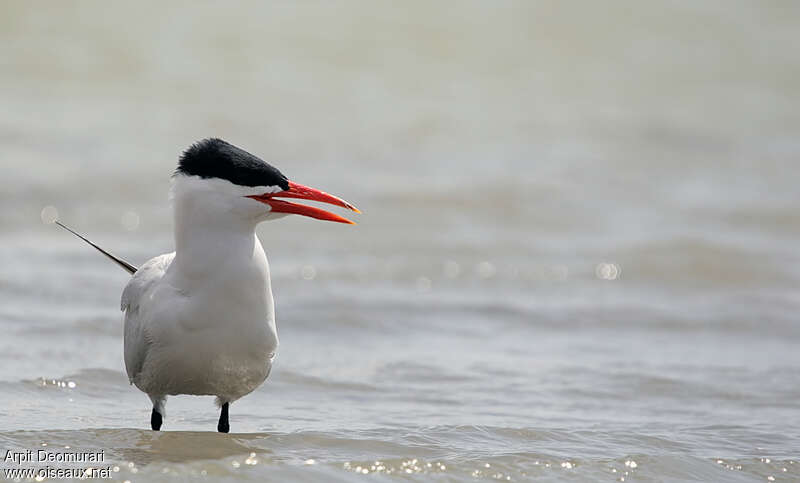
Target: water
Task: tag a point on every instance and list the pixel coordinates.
(577, 259)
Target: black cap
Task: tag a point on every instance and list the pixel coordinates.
(215, 158)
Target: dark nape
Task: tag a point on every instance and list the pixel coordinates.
(155, 420)
(223, 426)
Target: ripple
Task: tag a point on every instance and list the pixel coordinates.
(496, 453)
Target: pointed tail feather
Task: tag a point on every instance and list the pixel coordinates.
(122, 263)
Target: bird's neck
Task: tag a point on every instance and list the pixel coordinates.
(209, 243)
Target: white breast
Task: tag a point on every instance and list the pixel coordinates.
(203, 328)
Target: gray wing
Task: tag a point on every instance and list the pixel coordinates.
(134, 303)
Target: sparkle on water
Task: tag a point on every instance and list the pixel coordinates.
(49, 215)
(424, 284)
(130, 220)
(485, 269)
(607, 271)
(308, 272)
(451, 269)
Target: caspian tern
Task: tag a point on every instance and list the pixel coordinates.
(201, 320)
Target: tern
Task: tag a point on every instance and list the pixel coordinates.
(201, 320)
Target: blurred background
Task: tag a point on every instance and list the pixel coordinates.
(577, 257)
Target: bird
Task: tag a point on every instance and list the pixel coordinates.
(201, 319)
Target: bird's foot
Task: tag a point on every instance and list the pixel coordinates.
(223, 426)
(155, 420)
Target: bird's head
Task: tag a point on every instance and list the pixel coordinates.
(220, 179)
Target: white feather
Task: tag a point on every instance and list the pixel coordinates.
(201, 320)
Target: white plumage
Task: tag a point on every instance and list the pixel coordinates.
(201, 320)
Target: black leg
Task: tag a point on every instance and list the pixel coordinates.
(223, 426)
(155, 420)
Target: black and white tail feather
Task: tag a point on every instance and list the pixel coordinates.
(122, 263)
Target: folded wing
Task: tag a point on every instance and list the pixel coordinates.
(140, 287)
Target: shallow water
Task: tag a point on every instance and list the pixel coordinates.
(577, 258)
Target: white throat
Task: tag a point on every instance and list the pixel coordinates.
(215, 227)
